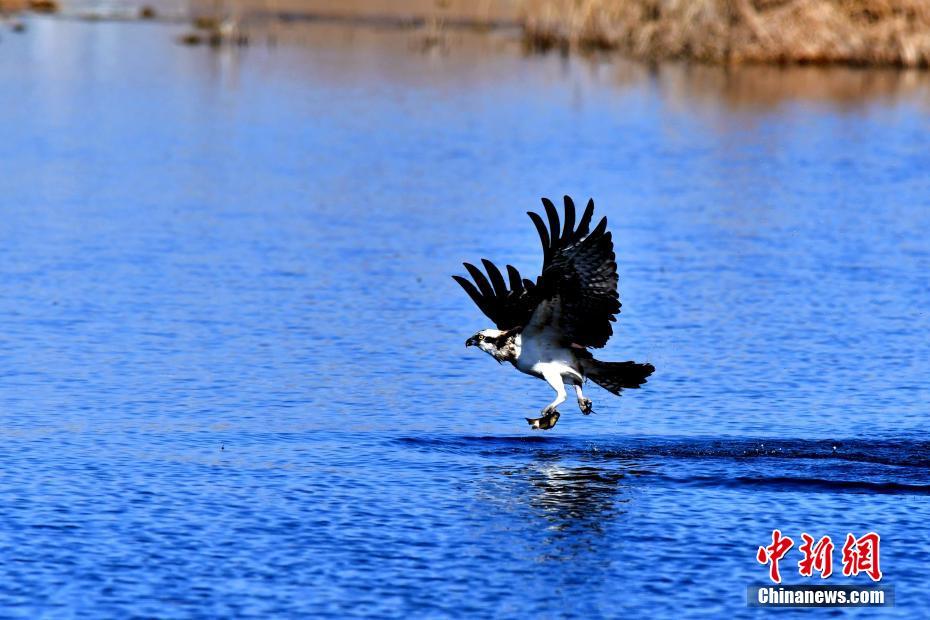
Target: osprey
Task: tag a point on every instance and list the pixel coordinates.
(546, 328)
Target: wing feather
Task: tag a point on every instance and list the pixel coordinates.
(579, 275)
(497, 280)
(585, 221)
(543, 233)
(508, 308)
(483, 285)
(569, 228)
(516, 284)
(470, 289)
(577, 288)
(553, 216)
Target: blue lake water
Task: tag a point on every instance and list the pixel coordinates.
(232, 373)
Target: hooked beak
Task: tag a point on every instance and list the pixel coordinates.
(471, 342)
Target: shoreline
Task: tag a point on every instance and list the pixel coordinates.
(868, 33)
(854, 33)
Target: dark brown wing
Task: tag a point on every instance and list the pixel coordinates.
(507, 307)
(580, 273)
(556, 238)
(578, 281)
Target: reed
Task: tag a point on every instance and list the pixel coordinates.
(851, 32)
(43, 6)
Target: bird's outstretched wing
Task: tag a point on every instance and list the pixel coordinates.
(507, 307)
(577, 291)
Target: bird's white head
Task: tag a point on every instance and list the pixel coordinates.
(488, 340)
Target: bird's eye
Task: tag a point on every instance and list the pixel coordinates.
(480, 337)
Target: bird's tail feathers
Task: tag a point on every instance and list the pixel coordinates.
(615, 376)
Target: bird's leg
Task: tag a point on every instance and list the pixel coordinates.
(549, 414)
(584, 404)
(554, 379)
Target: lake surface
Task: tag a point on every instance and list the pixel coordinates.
(232, 373)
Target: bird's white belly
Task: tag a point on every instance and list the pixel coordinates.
(540, 353)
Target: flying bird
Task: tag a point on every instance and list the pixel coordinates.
(546, 328)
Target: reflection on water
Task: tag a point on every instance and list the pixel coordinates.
(578, 503)
(561, 513)
(748, 87)
(574, 497)
(766, 87)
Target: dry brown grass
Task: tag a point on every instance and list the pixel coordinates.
(39, 6)
(853, 32)
(43, 6)
(12, 6)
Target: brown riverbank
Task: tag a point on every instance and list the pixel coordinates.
(12, 6)
(850, 32)
(847, 32)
